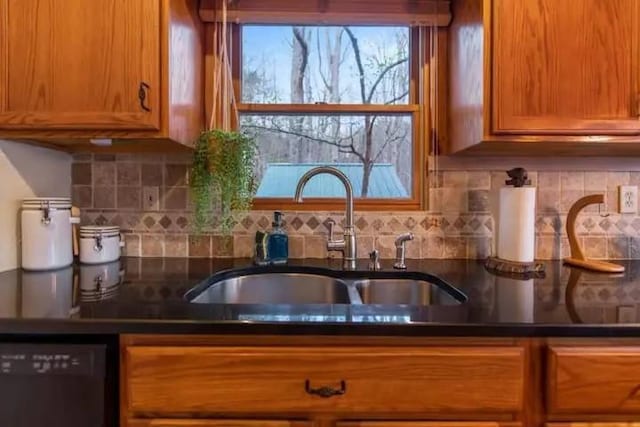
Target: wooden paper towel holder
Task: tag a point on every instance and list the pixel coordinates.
(577, 255)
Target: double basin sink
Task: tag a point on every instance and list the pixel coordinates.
(309, 285)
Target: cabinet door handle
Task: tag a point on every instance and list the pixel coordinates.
(325, 391)
(142, 95)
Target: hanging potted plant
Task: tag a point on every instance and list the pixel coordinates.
(222, 172)
(222, 177)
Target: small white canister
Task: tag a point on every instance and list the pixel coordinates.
(99, 244)
(46, 233)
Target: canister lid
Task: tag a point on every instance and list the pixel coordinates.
(99, 230)
(44, 202)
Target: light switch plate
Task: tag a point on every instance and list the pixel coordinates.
(151, 198)
(628, 199)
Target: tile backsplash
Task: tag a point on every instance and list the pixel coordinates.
(147, 195)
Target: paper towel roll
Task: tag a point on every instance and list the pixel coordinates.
(516, 224)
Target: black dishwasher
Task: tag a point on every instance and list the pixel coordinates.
(58, 382)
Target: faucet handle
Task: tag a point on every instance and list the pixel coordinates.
(331, 223)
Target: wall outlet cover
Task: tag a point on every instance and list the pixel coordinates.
(151, 198)
(628, 199)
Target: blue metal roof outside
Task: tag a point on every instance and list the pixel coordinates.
(280, 180)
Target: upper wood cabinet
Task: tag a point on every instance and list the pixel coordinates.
(565, 67)
(71, 70)
(546, 76)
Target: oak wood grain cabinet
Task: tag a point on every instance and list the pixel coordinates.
(593, 380)
(202, 382)
(71, 70)
(171, 381)
(218, 423)
(425, 424)
(593, 424)
(545, 77)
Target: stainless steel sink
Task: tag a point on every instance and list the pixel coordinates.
(393, 291)
(277, 288)
(301, 285)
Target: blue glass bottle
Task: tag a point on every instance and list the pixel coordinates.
(278, 242)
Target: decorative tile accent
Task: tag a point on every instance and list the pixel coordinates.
(165, 222)
(313, 223)
(410, 223)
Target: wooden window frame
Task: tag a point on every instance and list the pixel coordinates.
(419, 107)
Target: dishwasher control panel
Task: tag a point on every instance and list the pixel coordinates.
(47, 359)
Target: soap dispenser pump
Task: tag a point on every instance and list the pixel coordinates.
(278, 241)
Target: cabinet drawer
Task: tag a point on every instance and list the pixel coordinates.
(214, 380)
(217, 423)
(594, 380)
(427, 424)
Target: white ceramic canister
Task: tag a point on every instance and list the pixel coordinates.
(46, 233)
(99, 244)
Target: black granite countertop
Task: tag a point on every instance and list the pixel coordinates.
(149, 298)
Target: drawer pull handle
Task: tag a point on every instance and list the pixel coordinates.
(142, 96)
(325, 391)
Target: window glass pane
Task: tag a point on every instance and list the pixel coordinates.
(374, 151)
(307, 64)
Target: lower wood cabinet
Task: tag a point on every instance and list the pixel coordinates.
(175, 380)
(281, 423)
(605, 424)
(218, 423)
(426, 424)
(218, 381)
(593, 380)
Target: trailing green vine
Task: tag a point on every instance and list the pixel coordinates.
(222, 172)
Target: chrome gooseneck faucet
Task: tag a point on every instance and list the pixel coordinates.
(348, 244)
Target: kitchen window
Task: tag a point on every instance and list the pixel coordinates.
(355, 97)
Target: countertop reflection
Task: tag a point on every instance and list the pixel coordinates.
(147, 295)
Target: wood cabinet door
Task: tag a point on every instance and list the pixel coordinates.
(427, 424)
(78, 64)
(593, 380)
(176, 380)
(594, 424)
(215, 423)
(565, 67)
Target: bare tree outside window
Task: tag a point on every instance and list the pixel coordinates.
(331, 65)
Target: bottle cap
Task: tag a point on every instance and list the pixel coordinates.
(277, 219)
